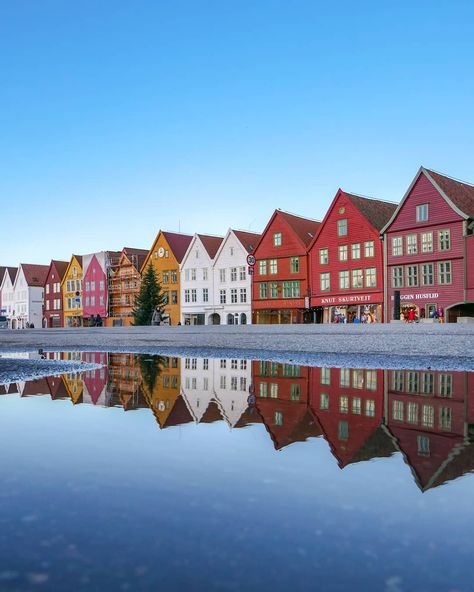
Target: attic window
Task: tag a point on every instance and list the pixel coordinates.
(422, 213)
(277, 239)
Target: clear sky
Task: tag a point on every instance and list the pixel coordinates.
(121, 117)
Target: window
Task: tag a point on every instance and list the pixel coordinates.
(205, 364)
(427, 383)
(262, 290)
(223, 363)
(444, 272)
(325, 376)
(444, 240)
(325, 282)
(291, 289)
(222, 296)
(233, 274)
(174, 297)
(233, 295)
(397, 410)
(343, 249)
(278, 418)
(193, 296)
(397, 246)
(445, 416)
(231, 251)
(427, 242)
(369, 249)
(88, 286)
(273, 290)
(412, 275)
(357, 278)
(423, 445)
(412, 413)
(243, 295)
(262, 267)
(355, 251)
(422, 213)
(427, 416)
(427, 274)
(445, 385)
(47, 288)
(345, 377)
(323, 256)
(324, 401)
(273, 264)
(371, 380)
(222, 275)
(92, 286)
(194, 364)
(412, 244)
(92, 300)
(290, 370)
(357, 378)
(295, 392)
(342, 227)
(263, 390)
(413, 382)
(356, 405)
(370, 277)
(344, 404)
(294, 264)
(274, 390)
(243, 383)
(343, 430)
(344, 280)
(166, 277)
(370, 408)
(242, 273)
(166, 296)
(397, 277)
(233, 383)
(204, 274)
(223, 382)
(277, 239)
(193, 274)
(205, 294)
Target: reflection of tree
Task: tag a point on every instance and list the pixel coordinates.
(151, 368)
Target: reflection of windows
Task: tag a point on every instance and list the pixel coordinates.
(445, 418)
(290, 370)
(371, 380)
(243, 383)
(413, 386)
(263, 390)
(357, 378)
(325, 376)
(187, 363)
(223, 363)
(263, 368)
(295, 392)
(233, 383)
(356, 405)
(273, 368)
(370, 408)
(278, 418)
(427, 416)
(445, 385)
(344, 404)
(343, 430)
(324, 401)
(205, 364)
(274, 390)
(397, 380)
(194, 364)
(423, 445)
(412, 413)
(427, 383)
(345, 377)
(397, 410)
(234, 364)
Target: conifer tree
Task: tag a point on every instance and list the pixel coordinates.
(149, 299)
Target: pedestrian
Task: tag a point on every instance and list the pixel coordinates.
(411, 315)
(440, 312)
(98, 320)
(92, 321)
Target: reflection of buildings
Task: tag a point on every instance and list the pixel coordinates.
(348, 405)
(124, 381)
(282, 401)
(429, 417)
(160, 381)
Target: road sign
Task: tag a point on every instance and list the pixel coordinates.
(77, 299)
(251, 260)
(251, 270)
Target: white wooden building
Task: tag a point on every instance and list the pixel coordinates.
(28, 297)
(7, 292)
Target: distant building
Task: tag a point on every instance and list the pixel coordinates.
(124, 285)
(280, 290)
(28, 298)
(97, 269)
(53, 314)
(71, 290)
(7, 279)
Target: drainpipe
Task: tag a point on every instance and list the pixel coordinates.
(385, 274)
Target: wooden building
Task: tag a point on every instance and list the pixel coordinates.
(53, 314)
(280, 287)
(71, 290)
(346, 260)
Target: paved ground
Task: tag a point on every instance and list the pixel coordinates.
(387, 346)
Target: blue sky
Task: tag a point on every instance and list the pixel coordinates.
(118, 118)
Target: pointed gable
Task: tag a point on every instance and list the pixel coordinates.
(12, 271)
(376, 211)
(460, 193)
(304, 228)
(211, 243)
(60, 266)
(249, 240)
(178, 243)
(135, 256)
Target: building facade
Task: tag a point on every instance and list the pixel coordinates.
(28, 298)
(280, 287)
(124, 285)
(71, 290)
(97, 270)
(197, 281)
(232, 293)
(166, 255)
(346, 260)
(53, 314)
(429, 249)
(7, 292)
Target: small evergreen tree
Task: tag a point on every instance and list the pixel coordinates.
(149, 299)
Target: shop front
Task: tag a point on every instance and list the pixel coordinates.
(281, 316)
(351, 308)
(426, 305)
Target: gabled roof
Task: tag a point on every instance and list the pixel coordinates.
(61, 267)
(211, 243)
(249, 240)
(459, 195)
(78, 259)
(35, 275)
(12, 271)
(139, 254)
(459, 192)
(178, 243)
(376, 211)
(304, 228)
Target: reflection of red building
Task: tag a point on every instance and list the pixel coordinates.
(348, 404)
(57, 387)
(53, 315)
(346, 259)
(280, 287)
(282, 401)
(95, 381)
(428, 416)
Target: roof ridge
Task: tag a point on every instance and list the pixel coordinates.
(449, 177)
(389, 201)
(297, 215)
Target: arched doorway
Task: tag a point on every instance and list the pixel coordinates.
(243, 319)
(230, 319)
(214, 319)
(463, 309)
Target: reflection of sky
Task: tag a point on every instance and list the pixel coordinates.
(105, 498)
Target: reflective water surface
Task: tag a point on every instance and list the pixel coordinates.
(230, 474)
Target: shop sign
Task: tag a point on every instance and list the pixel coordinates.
(424, 296)
(355, 299)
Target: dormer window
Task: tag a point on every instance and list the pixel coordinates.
(342, 227)
(277, 239)
(422, 213)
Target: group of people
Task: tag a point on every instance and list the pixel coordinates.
(409, 314)
(95, 321)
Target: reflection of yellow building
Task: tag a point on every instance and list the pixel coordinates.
(165, 255)
(163, 393)
(71, 290)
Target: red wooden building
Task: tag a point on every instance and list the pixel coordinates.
(346, 260)
(53, 313)
(429, 248)
(280, 288)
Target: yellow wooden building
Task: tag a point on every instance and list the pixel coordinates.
(165, 255)
(71, 290)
